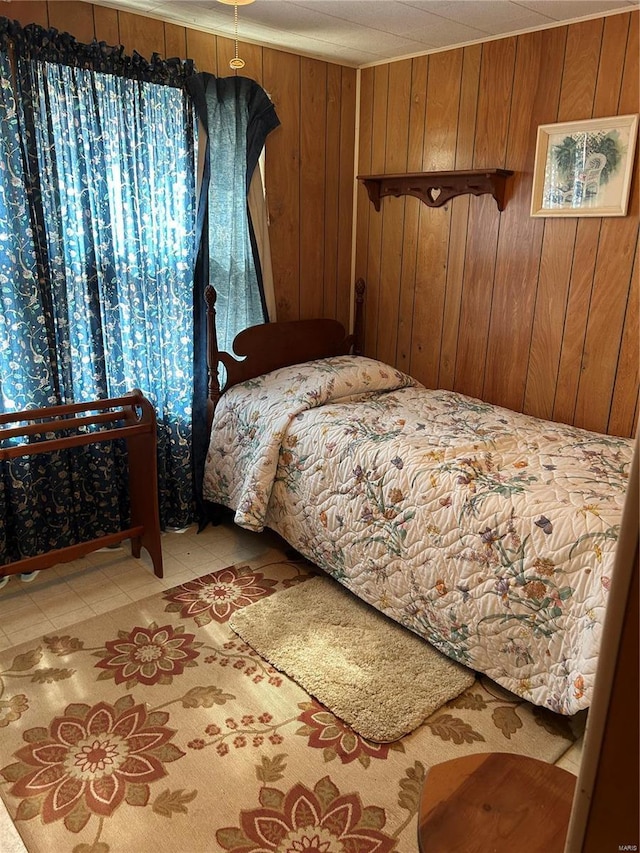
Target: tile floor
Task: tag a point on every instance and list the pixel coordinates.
(106, 580)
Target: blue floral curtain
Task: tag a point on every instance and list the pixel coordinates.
(97, 200)
(26, 376)
(237, 115)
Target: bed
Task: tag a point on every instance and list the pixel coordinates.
(489, 533)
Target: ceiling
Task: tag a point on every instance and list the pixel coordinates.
(363, 32)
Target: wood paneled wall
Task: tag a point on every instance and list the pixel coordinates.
(309, 158)
(539, 315)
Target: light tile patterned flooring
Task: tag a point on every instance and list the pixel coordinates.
(105, 580)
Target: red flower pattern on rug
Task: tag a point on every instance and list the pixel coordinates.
(89, 761)
(150, 655)
(216, 596)
(329, 733)
(321, 820)
(12, 709)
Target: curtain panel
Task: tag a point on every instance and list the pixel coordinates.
(237, 116)
(97, 202)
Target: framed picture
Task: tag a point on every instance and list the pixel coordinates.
(583, 168)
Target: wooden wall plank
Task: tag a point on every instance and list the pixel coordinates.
(556, 259)
(494, 103)
(418, 112)
(623, 415)
(313, 133)
(576, 316)
(175, 41)
(282, 81)
(344, 300)
(397, 120)
(611, 64)
(439, 152)
(536, 88)
(364, 207)
(623, 401)
(625, 406)
(397, 135)
(443, 91)
(477, 291)
(75, 16)
(137, 32)
(415, 150)
(28, 12)
(332, 191)
(606, 323)
(391, 252)
(106, 24)
(584, 42)
(630, 89)
(376, 220)
(201, 47)
(380, 118)
(492, 123)
(467, 109)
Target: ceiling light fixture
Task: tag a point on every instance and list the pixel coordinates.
(236, 63)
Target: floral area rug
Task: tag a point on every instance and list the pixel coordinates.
(155, 727)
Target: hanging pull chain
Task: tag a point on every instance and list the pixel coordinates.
(236, 62)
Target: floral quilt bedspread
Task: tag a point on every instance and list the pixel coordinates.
(489, 533)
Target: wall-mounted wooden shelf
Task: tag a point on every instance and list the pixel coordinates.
(437, 188)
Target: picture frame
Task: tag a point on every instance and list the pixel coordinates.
(584, 168)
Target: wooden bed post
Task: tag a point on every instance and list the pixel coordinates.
(213, 356)
(358, 323)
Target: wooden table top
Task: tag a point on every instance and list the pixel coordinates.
(495, 803)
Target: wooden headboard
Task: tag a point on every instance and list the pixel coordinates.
(269, 346)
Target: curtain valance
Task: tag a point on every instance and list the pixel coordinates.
(50, 45)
